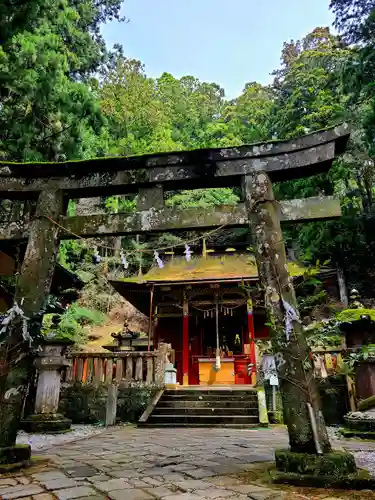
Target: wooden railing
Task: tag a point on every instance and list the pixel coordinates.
(127, 368)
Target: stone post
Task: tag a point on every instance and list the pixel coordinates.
(301, 403)
(160, 363)
(49, 364)
(111, 406)
(32, 289)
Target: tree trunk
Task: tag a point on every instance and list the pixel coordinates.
(343, 291)
(297, 384)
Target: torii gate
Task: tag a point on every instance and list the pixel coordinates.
(254, 167)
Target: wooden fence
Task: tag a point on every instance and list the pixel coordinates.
(140, 368)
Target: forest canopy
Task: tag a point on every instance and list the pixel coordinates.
(65, 95)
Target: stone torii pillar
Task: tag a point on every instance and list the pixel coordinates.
(32, 290)
(301, 402)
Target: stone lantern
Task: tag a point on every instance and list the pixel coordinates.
(49, 363)
(123, 340)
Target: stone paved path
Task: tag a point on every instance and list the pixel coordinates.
(145, 464)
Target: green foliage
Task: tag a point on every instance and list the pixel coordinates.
(203, 198)
(307, 304)
(49, 110)
(308, 90)
(72, 321)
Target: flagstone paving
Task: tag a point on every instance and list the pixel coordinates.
(143, 464)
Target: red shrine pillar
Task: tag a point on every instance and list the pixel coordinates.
(251, 328)
(185, 341)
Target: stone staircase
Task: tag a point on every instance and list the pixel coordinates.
(211, 407)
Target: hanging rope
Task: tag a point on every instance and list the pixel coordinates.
(144, 250)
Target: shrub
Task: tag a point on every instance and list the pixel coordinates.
(83, 404)
(132, 402)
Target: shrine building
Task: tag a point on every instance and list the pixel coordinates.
(211, 311)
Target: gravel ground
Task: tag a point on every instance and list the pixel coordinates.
(44, 441)
(366, 460)
(364, 456)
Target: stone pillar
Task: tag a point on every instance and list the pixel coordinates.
(251, 331)
(301, 402)
(32, 289)
(185, 341)
(49, 364)
(38, 265)
(160, 363)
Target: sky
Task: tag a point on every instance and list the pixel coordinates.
(229, 42)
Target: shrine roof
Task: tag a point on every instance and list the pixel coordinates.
(200, 270)
(213, 267)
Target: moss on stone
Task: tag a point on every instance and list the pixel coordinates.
(212, 267)
(360, 480)
(350, 315)
(353, 433)
(46, 424)
(336, 463)
(338, 130)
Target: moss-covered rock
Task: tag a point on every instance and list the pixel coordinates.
(18, 453)
(361, 421)
(50, 423)
(360, 480)
(336, 463)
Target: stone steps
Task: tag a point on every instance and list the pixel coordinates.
(198, 424)
(210, 411)
(250, 405)
(205, 408)
(209, 397)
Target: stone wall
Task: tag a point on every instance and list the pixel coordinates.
(86, 403)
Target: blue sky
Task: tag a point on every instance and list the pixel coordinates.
(229, 42)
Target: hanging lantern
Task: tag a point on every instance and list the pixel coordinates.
(159, 262)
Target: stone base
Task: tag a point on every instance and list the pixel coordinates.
(14, 457)
(335, 464)
(46, 423)
(361, 480)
